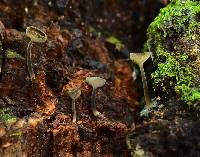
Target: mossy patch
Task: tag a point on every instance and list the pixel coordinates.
(17, 133)
(172, 37)
(6, 117)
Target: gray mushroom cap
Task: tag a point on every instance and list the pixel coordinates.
(74, 93)
(140, 58)
(95, 82)
(35, 34)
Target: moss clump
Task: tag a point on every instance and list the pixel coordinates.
(6, 117)
(174, 38)
(17, 133)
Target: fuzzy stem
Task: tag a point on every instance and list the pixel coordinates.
(145, 87)
(29, 61)
(74, 110)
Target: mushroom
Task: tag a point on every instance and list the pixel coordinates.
(139, 59)
(74, 93)
(95, 82)
(37, 36)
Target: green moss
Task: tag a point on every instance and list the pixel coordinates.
(17, 133)
(174, 68)
(13, 54)
(6, 117)
(177, 17)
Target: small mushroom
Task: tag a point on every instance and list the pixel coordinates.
(140, 58)
(37, 36)
(95, 82)
(74, 93)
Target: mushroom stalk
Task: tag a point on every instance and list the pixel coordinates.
(145, 87)
(93, 105)
(74, 110)
(29, 62)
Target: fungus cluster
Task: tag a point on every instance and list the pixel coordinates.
(75, 93)
(38, 36)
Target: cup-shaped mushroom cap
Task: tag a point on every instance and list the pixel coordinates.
(95, 82)
(140, 58)
(35, 34)
(74, 93)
